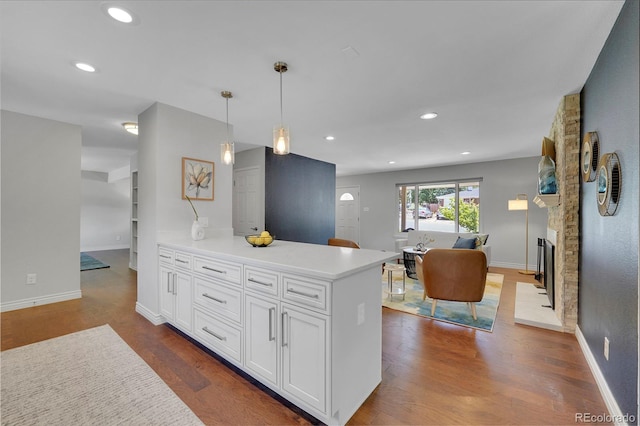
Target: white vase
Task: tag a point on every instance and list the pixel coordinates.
(197, 231)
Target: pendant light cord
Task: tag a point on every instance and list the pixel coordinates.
(281, 120)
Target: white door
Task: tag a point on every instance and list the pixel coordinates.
(348, 213)
(304, 368)
(261, 343)
(248, 216)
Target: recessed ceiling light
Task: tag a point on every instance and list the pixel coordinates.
(392, 162)
(120, 14)
(465, 153)
(429, 115)
(85, 67)
(329, 138)
(131, 127)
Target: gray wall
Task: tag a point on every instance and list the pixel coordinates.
(501, 181)
(40, 210)
(104, 212)
(608, 294)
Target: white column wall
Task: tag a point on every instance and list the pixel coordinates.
(166, 134)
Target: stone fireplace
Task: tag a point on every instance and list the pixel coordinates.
(563, 222)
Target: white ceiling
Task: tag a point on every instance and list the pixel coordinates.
(363, 71)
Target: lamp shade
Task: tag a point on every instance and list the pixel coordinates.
(518, 204)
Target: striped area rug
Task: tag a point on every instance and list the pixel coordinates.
(91, 377)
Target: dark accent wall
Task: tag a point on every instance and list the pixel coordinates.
(300, 197)
(608, 290)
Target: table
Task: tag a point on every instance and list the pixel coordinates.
(408, 257)
(390, 268)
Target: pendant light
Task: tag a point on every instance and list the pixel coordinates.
(280, 133)
(227, 154)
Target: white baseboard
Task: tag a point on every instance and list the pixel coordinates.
(41, 300)
(616, 416)
(154, 319)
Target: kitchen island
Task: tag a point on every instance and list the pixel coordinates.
(303, 319)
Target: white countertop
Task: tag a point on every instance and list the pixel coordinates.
(317, 260)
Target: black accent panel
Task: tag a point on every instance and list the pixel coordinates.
(300, 198)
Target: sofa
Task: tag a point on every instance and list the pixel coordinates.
(439, 239)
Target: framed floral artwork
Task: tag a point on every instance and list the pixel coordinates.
(197, 179)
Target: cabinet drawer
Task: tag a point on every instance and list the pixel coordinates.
(182, 260)
(165, 256)
(219, 298)
(261, 280)
(217, 335)
(305, 291)
(230, 272)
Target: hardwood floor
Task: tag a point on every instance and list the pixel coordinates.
(433, 373)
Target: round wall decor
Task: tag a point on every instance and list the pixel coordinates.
(609, 184)
(590, 152)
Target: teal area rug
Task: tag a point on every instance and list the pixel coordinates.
(457, 313)
(88, 262)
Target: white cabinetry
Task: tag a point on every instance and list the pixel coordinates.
(314, 337)
(304, 358)
(176, 288)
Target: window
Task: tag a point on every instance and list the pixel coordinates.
(443, 206)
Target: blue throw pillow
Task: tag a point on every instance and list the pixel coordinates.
(465, 243)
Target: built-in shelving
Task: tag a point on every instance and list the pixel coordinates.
(547, 200)
(133, 248)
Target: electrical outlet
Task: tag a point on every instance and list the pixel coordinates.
(606, 349)
(117, 237)
(204, 221)
(31, 278)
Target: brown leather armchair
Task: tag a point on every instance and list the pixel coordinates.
(342, 243)
(454, 274)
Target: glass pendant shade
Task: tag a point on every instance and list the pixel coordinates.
(227, 154)
(280, 140)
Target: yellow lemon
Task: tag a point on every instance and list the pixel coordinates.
(264, 234)
(252, 239)
(259, 241)
(268, 240)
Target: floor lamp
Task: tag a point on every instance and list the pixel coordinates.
(521, 203)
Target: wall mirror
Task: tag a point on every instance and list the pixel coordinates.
(590, 153)
(609, 180)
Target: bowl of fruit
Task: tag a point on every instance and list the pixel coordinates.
(262, 240)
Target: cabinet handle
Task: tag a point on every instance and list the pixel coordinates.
(284, 323)
(181, 261)
(217, 336)
(165, 256)
(214, 270)
(272, 311)
(175, 291)
(301, 293)
(260, 282)
(255, 228)
(214, 298)
(169, 282)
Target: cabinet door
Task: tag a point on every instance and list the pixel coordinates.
(184, 299)
(167, 298)
(261, 342)
(304, 359)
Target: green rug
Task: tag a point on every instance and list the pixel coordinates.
(87, 262)
(457, 313)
